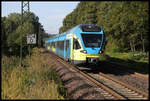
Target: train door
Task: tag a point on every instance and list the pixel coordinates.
(76, 49)
(67, 50)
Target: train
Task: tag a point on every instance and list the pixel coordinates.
(81, 44)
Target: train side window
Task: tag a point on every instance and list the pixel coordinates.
(54, 44)
(67, 44)
(46, 45)
(76, 44)
(49, 44)
(62, 45)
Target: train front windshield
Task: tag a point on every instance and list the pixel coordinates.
(92, 40)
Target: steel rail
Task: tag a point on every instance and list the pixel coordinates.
(125, 85)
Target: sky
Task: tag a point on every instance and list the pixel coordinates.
(51, 14)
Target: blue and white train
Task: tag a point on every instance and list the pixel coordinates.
(83, 43)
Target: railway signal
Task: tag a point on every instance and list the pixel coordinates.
(31, 39)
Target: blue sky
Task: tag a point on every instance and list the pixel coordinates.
(51, 14)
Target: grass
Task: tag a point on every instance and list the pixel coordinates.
(135, 56)
(36, 80)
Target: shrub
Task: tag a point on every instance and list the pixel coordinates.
(118, 50)
(8, 63)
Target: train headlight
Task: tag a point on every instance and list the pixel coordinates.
(100, 51)
(83, 51)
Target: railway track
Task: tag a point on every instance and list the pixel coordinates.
(108, 93)
(111, 88)
(115, 88)
(121, 88)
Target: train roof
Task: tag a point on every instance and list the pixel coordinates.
(82, 27)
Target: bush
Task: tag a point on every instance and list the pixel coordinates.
(138, 55)
(103, 57)
(35, 51)
(8, 63)
(118, 50)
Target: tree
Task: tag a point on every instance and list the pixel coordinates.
(124, 23)
(12, 31)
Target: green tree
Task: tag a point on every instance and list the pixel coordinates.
(125, 23)
(12, 31)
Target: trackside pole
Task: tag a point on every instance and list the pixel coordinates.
(23, 5)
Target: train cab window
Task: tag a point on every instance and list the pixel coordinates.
(92, 40)
(76, 44)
